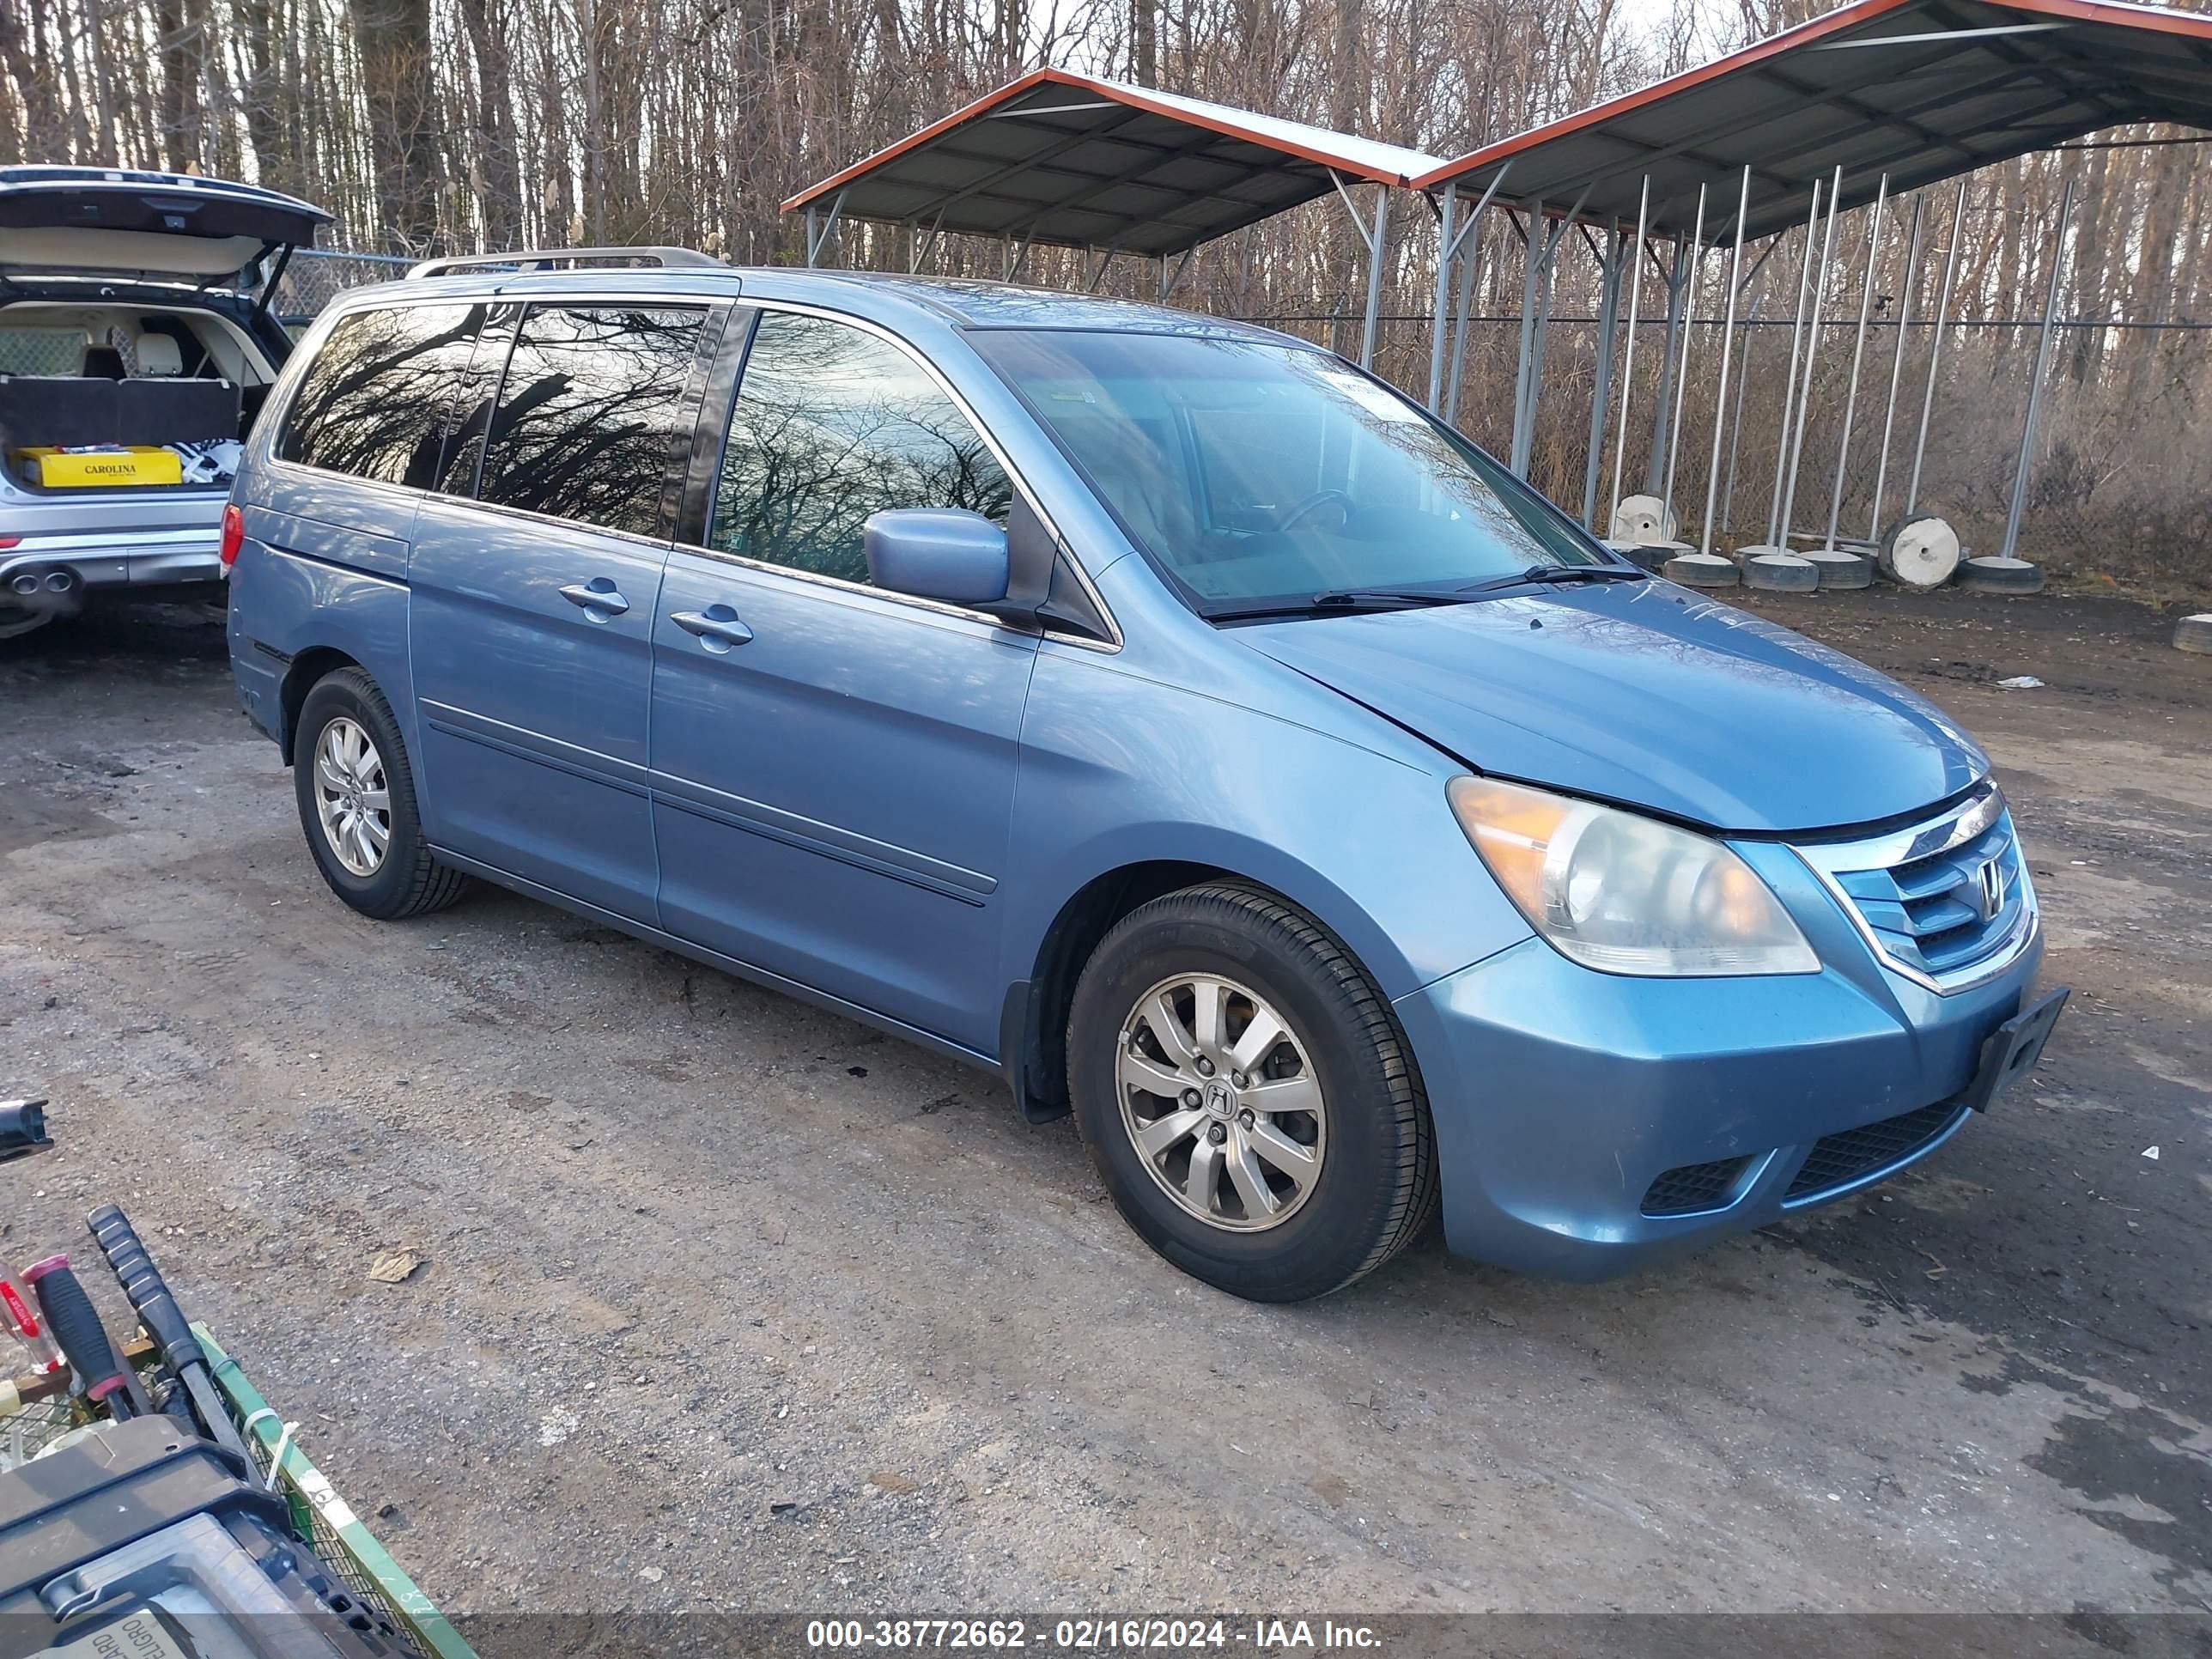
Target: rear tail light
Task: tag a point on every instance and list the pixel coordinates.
(233, 534)
(7, 541)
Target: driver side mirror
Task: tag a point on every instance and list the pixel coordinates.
(943, 553)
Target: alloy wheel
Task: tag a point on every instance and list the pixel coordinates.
(1221, 1102)
(353, 798)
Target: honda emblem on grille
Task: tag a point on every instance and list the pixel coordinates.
(1989, 888)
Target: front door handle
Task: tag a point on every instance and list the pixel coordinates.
(596, 595)
(717, 627)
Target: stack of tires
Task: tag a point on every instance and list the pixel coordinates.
(1920, 553)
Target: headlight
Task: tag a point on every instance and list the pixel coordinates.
(1626, 894)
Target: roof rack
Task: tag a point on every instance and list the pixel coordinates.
(546, 259)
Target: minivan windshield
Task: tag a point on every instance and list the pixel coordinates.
(1260, 476)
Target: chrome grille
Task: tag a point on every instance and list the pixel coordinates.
(1947, 903)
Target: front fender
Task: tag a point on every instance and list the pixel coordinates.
(1120, 770)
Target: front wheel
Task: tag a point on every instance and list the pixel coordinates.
(356, 795)
(1247, 1096)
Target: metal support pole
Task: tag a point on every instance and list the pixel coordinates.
(1447, 247)
(1727, 344)
(1376, 242)
(2035, 386)
(1531, 257)
(817, 238)
(926, 248)
(1935, 346)
(1654, 472)
(1464, 308)
(1538, 335)
(1859, 356)
(1628, 351)
(1467, 244)
(1378, 248)
(1546, 272)
(1911, 268)
(1457, 244)
(1812, 357)
(1789, 386)
(1735, 424)
(1098, 276)
(1697, 256)
(1169, 278)
(1609, 327)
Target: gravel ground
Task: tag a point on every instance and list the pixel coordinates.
(729, 1303)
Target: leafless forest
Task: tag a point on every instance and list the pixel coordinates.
(444, 125)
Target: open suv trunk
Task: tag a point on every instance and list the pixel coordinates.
(136, 348)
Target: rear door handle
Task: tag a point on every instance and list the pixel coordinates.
(717, 627)
(597, 594)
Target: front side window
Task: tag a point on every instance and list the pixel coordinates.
(593, 412)
(374, 401)
(832, 424)
(1256, 474)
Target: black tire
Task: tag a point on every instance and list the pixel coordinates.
(410, 881)
(1781, 572)
(1376, 1188)
(1999, 575)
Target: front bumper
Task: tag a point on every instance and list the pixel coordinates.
(1561, 1095)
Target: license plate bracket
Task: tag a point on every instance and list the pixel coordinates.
(2010, 1051)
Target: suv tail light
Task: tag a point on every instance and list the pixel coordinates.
(233, 534)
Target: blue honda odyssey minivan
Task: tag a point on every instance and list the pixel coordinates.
(1160, 712)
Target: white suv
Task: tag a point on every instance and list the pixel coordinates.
(135, 347)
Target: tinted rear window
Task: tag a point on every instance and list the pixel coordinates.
(594, 411)
(374, 403)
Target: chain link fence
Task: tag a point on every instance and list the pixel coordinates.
(2119, 474)
(316, 277)
(2119, 480)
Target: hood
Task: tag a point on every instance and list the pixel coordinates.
(78, 221)
(1647, 695)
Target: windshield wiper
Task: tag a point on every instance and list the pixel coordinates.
(1385, 596)
(1346, 601)
(1562, 573)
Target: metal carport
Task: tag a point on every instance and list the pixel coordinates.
(1070, 161)
(1879, 96)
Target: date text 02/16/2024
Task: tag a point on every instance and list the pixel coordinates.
(1092, 1635)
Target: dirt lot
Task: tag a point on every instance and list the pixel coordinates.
(728, 1303)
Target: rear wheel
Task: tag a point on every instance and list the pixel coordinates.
(356, 796)
(1247, 1096)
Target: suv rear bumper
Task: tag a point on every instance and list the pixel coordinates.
(53, 569)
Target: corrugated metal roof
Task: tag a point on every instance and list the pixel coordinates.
(1921, 89)
(1069, 160)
